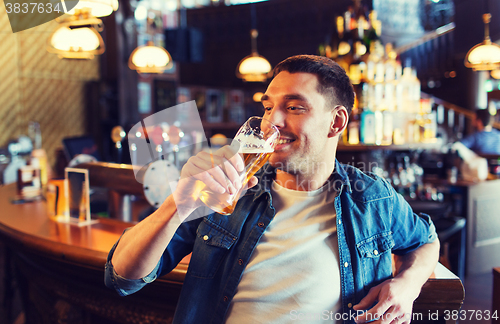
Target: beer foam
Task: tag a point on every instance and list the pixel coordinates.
(252, 150)
(254, 144)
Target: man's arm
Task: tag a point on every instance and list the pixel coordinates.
(140, 248)
(395, 296)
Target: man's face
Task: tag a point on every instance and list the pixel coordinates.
(293, 103)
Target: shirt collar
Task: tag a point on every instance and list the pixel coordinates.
(267, 174)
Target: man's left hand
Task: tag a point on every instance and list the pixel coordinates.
(394, 299)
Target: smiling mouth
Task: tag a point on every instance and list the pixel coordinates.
(285, 141)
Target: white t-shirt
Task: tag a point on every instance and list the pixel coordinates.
(293, 274)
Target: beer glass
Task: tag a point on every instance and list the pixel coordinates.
(256, 141)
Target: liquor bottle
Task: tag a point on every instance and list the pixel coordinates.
(353, 129)
(374, 30)
(388, 127)
(367, 127)
(415, 91)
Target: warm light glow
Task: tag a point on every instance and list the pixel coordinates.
(150, 59)
(98, 8)
(80, 39)
(495, 74)
(486, 55)
(257, 96)
(253, 68)
(360, 49)
(344, 48)
(254, 65)
(75, 42)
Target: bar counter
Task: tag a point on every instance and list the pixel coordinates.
(59, 271)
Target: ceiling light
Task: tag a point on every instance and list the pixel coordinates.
(78, 39)
(97, 8)
(485, 55)
(254, 67)
(150, 59)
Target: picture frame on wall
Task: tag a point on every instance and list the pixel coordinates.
(214, 105)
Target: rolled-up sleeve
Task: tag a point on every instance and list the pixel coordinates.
(123, 285)
(432, 235)
(410, 230)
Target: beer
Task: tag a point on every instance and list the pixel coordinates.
(225, 203)
(256, 140)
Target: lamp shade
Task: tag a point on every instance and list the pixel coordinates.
(150, 59)
(486, 55)
(77, 43)
(96, 8)
(253, 68)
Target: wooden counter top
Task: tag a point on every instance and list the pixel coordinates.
(29, 223)
(29, 226)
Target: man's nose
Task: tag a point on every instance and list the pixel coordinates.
(277, 117)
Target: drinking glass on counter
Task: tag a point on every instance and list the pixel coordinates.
(257, 139)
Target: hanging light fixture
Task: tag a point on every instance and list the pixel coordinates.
(150, 59)
(484, 56)
(254, 67)
(77, 38)
(96, 8)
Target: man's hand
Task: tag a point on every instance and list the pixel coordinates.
(394, 299)
(395, 296)
(219, 171)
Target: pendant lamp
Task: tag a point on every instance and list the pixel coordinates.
(77, 38)
(254, 67)
(150, 59)
(484, 56)
(96, 8)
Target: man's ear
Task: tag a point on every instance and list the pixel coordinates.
(340, 117)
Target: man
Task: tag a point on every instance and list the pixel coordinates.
(312, 241)
(487, 139)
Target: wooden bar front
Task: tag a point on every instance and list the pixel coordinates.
(59, 269)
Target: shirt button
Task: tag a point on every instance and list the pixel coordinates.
(349, 305)
(260, 224)
(346, 265)
(375, 252)
(240, 262)
(225, 298)
(205, 237)
(340, 221)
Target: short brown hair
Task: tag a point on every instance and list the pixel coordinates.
(335, 85)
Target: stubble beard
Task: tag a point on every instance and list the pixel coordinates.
(301, 167)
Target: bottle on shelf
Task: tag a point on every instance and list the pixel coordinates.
(367, 127)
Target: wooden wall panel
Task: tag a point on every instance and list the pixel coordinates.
(58, 106)
(9, 87)
(36, 85)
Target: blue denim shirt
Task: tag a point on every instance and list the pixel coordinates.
(373, 221)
